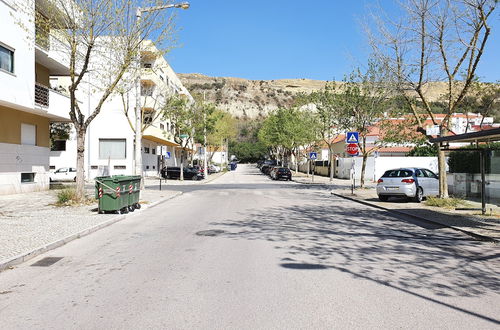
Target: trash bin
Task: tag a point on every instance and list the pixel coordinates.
(134, 190)
(112, 194)
(233, 166)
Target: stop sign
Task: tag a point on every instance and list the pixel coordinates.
(352, 149)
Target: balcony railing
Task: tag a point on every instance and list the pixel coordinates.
(41, 95)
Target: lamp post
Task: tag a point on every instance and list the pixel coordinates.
(138, 108)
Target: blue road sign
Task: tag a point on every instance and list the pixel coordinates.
(352, 137)
(313, 155)
(167, 156)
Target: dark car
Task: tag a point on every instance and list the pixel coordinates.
(281, 173)
(175, 173)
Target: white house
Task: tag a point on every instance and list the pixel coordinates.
(29, 55)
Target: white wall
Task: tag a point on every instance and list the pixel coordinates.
(18, 89)
(376, 166)
(17, 159)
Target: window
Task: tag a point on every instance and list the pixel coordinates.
(146, 150)
(94, 167)
(120, 167)
(58, 145)
(27, 177)
(6, 59)
(162, 127)
(153, 151)
(112, 148)
(28, 134)
(72, 169)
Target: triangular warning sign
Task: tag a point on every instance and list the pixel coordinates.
(352, 138)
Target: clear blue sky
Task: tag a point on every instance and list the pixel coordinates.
(278, 39)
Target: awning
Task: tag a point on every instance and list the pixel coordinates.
(160, 140)
(489, 135)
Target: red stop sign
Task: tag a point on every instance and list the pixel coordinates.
(352, 149)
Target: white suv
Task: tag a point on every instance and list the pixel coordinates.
(64, 174)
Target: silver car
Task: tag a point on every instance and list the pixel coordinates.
(414, 183)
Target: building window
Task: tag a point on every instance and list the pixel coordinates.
(27, 177)
(112, 148)
(146, 150)
(28, 134)
(120, 167)
(147, 167)
(153, 151)
(162, 127)
(6, 59)
(94, 167)
(58, 145)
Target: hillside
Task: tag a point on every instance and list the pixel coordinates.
(248, 98)
(256, 98)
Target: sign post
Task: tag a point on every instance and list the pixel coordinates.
(352, 148)
(312, 157)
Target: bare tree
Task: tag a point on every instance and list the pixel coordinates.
(101, 40)
(433, 41)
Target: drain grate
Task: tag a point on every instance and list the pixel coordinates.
(46, 262)
(213, 232)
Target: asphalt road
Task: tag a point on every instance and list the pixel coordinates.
(281, 255)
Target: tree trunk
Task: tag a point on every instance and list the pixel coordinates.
(181, 177)
(80, 164)
(330, 154)
(363, 168)
(443, 184)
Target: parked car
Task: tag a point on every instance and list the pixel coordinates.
(63, 174)
(190, 173)
(281, 173)
(414, 183)
(213, 169)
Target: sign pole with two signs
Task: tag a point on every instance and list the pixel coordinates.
(352, 149)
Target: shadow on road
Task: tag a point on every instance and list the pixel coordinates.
(373, 245)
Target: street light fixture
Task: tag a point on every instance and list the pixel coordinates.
(138, 110)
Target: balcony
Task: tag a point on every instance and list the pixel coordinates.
(55, 105)
(51, 52)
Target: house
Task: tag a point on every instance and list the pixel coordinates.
(30, 55)
(110, 140)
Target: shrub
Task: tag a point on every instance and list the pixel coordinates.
(66, 196)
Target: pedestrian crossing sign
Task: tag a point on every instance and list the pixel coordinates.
(352, 137)
(313, 155)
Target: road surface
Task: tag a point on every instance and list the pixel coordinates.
(245, 252)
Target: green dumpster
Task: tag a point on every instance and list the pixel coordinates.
(112, 193)
(134, 189)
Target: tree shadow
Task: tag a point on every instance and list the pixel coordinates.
(407, 254)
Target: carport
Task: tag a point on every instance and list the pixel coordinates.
(475, 138)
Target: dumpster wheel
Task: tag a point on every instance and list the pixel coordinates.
(131, 208)
(137, 206)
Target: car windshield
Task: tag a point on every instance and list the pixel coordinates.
(397, 173)
(283, 170)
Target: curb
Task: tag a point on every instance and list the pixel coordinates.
(474, 235)
(58, 243)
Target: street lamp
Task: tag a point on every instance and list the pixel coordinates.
(138, 110)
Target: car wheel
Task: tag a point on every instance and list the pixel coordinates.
(383, 198)
(419, 195)
(194, 178)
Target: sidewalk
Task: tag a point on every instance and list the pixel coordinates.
(467, 221)
(31, 224)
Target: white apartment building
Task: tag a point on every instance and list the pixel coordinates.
(29, 56)
(110, 140)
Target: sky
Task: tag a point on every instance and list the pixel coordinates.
(280, 39)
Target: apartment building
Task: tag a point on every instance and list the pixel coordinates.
(110, 140)
(30, 55)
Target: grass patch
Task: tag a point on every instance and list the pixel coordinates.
(67, 197)
(447, 203)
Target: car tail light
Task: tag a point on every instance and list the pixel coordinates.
(408, 180)
(380, 181)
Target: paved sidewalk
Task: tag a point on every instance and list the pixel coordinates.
(31, 224)
(468, 221)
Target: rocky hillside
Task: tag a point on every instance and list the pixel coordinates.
(256, 98)
(248, 98)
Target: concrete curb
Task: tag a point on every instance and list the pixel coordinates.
(51, 246)
(474, 235)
